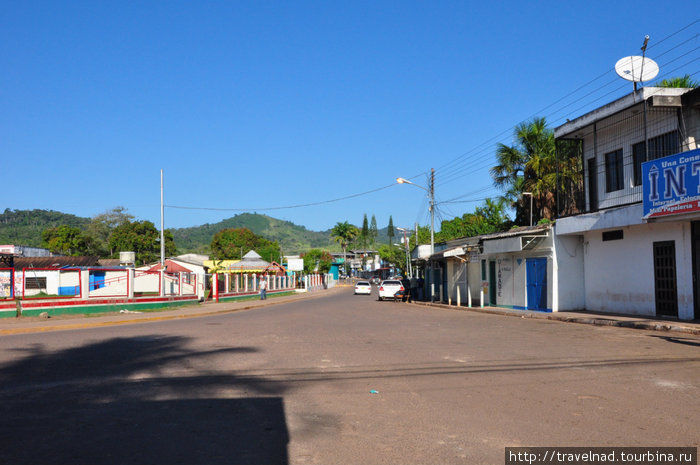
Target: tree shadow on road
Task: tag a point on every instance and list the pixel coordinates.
(111, 402)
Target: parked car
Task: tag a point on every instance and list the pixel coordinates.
(389, 288)
(363, 287)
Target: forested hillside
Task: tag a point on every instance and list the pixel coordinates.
(24, 227)
(293, 239)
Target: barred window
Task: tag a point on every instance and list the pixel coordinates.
(614, 171)
(35, 283)
(659, 147)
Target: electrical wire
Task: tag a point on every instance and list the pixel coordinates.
(461, 165)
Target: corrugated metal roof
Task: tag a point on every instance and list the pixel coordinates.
(54, 262)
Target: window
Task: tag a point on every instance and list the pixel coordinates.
(639, 156)
(592, 185)
(614, 235)
(35, 283)
(614, 172)
(659, 146)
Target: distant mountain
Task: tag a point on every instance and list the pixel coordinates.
(24, 227)
(293, 239)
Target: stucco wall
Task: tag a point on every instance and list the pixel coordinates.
(619, 274)
(568, 276)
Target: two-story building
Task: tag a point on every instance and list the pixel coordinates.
(629, 190)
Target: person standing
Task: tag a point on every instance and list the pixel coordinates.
(263, 287)
(414, 288)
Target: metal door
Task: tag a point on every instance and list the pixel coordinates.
(665, 278)
(492, 283)
(536, 276)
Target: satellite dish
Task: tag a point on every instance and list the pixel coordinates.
(636, 68)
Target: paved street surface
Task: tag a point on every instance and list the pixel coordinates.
(340, 379)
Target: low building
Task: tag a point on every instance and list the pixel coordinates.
(527, 268)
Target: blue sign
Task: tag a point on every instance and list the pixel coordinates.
(671, 185)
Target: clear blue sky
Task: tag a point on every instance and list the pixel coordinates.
(265, 104)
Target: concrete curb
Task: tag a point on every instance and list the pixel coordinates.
(621, 322)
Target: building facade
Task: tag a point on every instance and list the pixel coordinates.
(628, 191)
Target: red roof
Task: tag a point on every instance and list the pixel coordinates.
(171, 266)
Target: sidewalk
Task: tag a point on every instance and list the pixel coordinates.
(23, 325)
(586, 317)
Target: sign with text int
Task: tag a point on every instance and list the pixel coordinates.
(671, 185)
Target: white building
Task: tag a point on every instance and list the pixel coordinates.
(528, 268)
(630, 195)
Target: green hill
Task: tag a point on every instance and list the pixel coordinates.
(24, 227)
(293, 239)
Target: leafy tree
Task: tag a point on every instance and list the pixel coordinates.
(393, 255)
(528, 166)
(143, 238)
(489, 218)
(682, 82)
(317, 261)
(390, 231)
(102, 225)
(344, 233)
(68, 240)
(233, 243)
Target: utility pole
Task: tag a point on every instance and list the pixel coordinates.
(432, 211)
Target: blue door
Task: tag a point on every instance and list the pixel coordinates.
(97, 280)
(536, 283)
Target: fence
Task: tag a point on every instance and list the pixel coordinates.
(85, 283)
(230, 284)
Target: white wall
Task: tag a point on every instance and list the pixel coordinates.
(619, 275)
(568, 275)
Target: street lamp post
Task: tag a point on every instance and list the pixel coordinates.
(530, 194)
(431, 195)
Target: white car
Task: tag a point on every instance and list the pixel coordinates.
(388, 288)
(363, 287)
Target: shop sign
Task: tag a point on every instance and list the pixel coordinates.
(671, 185)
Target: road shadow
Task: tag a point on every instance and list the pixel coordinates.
(107, 403)
(679, 340)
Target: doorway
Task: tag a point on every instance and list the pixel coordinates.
(695, 231)
(665, 288)
(492, 283)
(536, 277)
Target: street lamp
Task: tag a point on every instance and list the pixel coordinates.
(431, 195)
(530, 194)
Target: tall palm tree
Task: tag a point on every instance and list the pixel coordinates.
(344, 233)
(528, 166)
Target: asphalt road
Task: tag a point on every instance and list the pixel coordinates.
(341, 379)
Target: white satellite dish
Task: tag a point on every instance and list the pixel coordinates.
(636, 68)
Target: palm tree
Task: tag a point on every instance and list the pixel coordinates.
(344, 233)
(528, 166)
(683, 82)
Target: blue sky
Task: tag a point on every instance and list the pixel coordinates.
(258, 106)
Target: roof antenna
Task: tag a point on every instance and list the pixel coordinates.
(637, 68)
(644, 51)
